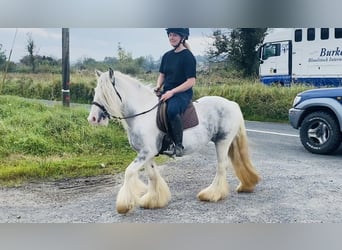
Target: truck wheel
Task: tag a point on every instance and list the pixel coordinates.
(320, 133)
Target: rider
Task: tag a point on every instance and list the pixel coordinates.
(177, 76)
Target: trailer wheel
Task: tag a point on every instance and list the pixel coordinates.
(320, 133)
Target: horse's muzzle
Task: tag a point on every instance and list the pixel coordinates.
(100, 119)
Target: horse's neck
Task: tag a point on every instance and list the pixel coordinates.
(136, 97)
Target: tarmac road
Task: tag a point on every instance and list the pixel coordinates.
(296, 187)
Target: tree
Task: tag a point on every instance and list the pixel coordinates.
(2, 57)
(110, 60)
(247, 40)
(126, 63)
(238, 48)
(219, 49)
(31, 48)
(2, 66)
(149, 64)
(123, 55)
(5, 64)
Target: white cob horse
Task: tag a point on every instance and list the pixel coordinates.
(220, 121)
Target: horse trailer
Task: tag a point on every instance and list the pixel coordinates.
(310, 56)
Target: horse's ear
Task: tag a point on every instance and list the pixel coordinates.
(111, 73)
(98, 73)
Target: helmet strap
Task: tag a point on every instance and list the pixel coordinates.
(180, 42)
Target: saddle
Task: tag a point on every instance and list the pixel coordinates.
(189, 117)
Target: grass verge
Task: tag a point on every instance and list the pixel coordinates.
(52, 142)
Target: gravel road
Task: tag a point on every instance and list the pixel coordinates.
(296, 187)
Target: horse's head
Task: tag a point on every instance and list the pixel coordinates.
(120, 97)
(105, 99)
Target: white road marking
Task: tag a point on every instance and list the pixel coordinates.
(272, 133)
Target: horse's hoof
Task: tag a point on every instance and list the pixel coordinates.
(123, 209)
(244, 189)
(202, 196)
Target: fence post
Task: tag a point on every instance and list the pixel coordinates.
(65, 67)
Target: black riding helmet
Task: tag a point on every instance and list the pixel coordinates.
(183, 32)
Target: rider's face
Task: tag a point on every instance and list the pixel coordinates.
(174, 38)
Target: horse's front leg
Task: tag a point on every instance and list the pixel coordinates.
(158, 194)
(132, 188)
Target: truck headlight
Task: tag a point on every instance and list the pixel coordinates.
(296, 100)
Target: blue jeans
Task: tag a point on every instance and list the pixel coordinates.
(177, 105)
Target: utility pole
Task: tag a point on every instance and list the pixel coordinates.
(65, 67)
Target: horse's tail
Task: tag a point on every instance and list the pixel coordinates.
(239, 155)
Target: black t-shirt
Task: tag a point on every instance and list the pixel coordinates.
(177, 68)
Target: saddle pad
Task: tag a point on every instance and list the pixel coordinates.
(189, 117)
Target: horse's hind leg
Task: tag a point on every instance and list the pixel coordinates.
(219, 188)
(158, 194)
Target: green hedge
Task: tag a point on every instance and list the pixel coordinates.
(257, 101)
(49, 87)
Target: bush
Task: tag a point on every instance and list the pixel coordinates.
(130, 68)
(48, 87)
(257, 101)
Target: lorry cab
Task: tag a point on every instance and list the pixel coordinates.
(275, 56)
(302, 55)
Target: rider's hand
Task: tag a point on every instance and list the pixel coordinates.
(157, 91)
(167, 95)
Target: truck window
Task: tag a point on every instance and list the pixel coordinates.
(271, 49)
(298, 35)
(324, 33)
(311, 34)
(338, 32)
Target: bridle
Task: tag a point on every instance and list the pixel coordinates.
(106, 114)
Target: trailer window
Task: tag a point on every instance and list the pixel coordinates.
(271, 49)
(324, 33)
(298, 35)
(338, 33)
(311, 34)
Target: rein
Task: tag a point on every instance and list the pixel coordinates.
(106, 114)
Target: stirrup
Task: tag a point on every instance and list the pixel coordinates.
(174, 150)
(170, 151)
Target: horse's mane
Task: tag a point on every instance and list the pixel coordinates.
(134, 80)
(130, 95)
(134, 85)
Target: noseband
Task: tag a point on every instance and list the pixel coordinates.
(104, 113)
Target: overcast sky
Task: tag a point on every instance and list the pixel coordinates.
(98, 43)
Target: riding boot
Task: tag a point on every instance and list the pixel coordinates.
(176, 128)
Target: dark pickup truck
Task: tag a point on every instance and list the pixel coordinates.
(317, 113)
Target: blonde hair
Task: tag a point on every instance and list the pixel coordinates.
(187, 45)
